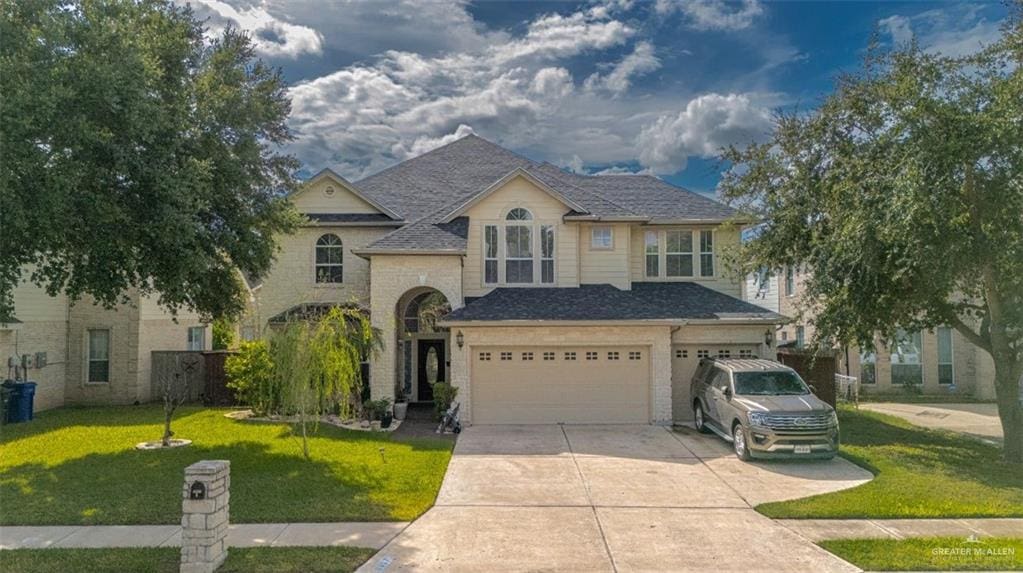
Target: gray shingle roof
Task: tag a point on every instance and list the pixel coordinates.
(425, 235)
(426, 188)
(646, 301)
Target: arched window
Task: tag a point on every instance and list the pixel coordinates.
(329, 259)
(519, 214)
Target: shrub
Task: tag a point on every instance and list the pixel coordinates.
(223, 334)
(250, 375)
(443, 395)
(375, 409)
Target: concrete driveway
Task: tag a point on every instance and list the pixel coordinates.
(979, 420)
(610, 498)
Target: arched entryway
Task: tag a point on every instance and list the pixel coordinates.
(423, 347)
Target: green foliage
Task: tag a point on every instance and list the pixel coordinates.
(250, 373)
(930, 553)
(900, 197)
(156, 150)
(68, 455)
(223, 334)
(443, 395)
(914, 469)
(375, 409)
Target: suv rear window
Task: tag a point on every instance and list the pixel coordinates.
(770, 383)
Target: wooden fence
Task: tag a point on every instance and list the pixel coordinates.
(817, 370)
(203, 372)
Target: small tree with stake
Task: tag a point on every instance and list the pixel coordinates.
(176, 388)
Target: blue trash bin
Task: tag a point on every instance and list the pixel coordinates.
(20, 405)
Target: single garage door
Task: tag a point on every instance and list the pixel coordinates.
(684, 360)
(544, 385)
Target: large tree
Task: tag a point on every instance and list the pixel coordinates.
(137, 154)
(902, 198)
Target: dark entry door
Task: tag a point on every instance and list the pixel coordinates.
(426, 349)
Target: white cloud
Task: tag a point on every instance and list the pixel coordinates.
(953, 31)
(272, 37)
(641, 61)
(707, 124)
(713, 14)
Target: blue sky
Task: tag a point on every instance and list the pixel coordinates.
(623, 85)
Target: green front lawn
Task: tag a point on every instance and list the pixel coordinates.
(166, 560)
(918, 473)
(930, 554)
(80, 466)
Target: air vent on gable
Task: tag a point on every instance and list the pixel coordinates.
(329, 191)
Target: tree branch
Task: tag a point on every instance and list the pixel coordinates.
(968, 333)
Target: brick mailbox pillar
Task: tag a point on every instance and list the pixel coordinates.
(204, 509)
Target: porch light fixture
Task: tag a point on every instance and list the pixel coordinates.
(460, 339)
(768, 337)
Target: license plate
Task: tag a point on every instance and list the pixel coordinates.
(801, 449)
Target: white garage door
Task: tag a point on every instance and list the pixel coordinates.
(541, 385)
(685, 358)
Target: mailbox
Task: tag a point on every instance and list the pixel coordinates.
(197, 491)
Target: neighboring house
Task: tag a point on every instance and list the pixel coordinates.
(939, 361)
(576, 298)
(82, 353)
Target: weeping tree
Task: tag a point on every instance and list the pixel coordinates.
(318, 364)
(901, 196)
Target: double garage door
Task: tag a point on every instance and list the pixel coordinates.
(557, 384)
(684, 360)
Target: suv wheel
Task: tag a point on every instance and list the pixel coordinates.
(739, 442)
(701, 422)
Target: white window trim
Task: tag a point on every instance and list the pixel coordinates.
(698, 244)
(690, 252)
(534, 224)
(531, 226)
(785, 282)
(662, 255)
(316, 240)
(554, 253)
(188, 337)
(611, 231)
(894, 351)
(657, 243)
(88, 359)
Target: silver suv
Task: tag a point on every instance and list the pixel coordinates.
(764, 408)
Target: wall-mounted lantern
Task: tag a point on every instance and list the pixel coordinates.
(460, 339)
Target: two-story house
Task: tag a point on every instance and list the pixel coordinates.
(574, 298)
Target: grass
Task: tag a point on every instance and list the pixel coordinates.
(79, 466)
(918, 473)
(166, 560)
(930, 554)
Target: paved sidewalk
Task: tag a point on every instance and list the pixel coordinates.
(373, 535)
(979, 420)
(820, 529)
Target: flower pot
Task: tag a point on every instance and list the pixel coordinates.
(375, 425)
(385, 420)
(400, 409)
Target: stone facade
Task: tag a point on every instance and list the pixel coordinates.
(656, 338)
(391, 277)
(204, 521)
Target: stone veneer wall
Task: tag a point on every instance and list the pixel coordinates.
(391, 276)
(657, 338)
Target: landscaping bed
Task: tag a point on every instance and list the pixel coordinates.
(930, 553)
(80, 466)
(166, 560)
(918, 473)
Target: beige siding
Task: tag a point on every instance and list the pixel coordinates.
(601, 266)
(722, 281)
(314, 199)
(291, 280)
(520, 192)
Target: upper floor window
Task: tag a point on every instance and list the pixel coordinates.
(602, 238)
(519, 250)
(653, 258)
(679, 253)
(790, 281)
(329, 259)
(706, 253)
(946, 368)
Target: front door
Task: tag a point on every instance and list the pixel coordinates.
(430, 368)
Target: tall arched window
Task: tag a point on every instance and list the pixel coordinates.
(518, 242)
(329, 259)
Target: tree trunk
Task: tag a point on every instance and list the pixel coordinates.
(168, 413)
(1009, 410)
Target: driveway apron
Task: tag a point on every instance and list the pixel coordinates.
(610, 498)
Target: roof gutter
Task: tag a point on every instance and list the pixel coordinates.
(676, 322)
(615, 219)
(366, 253)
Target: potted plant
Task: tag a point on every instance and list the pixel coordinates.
(400, 404)
(386, 417)
(378, 412)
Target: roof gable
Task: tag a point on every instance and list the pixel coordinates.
(329, 192)
(501, 183)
